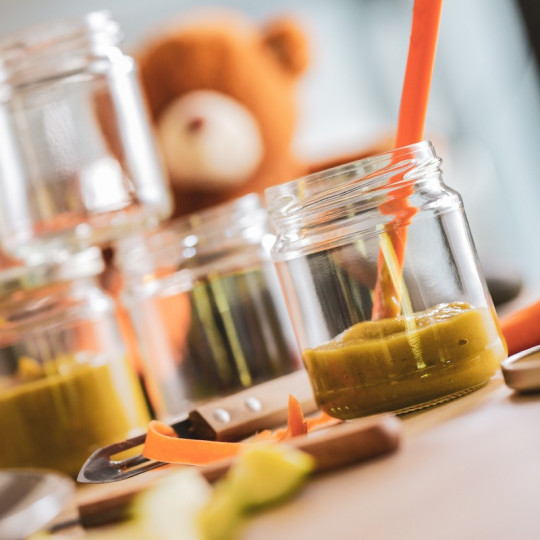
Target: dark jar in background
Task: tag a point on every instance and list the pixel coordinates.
(66, 388)
(333, 229)
(206, 305)
(78, 165)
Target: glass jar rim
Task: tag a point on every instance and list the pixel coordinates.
(241, 219)
(238, 213)
(86, 263)
(32, 52)
(351, 181)
(37, 37)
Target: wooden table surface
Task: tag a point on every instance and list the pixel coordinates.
(468, 469)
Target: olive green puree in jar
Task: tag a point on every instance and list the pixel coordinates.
(56, 420)
(66, 387)
(395, 364)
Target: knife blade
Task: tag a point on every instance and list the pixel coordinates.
(231, 418)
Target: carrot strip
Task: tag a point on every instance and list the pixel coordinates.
(296, 423)
(521, 329)
(412, 115)
(264, 435)
(418, 72)
(320, 421)
(162, 444)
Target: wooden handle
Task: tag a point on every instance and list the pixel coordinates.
(337, 446)
(264, 405)
(351, 442)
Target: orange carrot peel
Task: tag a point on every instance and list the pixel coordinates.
(163, 444)
(296, 423)
(412, 115)
(321, 421)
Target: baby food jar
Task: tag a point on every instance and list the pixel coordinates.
(207, 306)
(66, 388)
(382, 280)
(78, 165)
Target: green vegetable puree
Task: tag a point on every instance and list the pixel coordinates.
(406, 363)
(56, 420)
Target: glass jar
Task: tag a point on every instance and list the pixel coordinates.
(78, 164)
(66, 388)
(206, 305)
(383, 284)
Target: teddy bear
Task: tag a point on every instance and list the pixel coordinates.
(221, 93)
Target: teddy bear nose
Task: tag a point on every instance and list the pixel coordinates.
(210, 142)
(195, 124)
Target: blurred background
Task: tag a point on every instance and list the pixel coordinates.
(484, 113)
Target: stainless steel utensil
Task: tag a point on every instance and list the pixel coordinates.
(521, 371)
(232, 418)
(30, 499)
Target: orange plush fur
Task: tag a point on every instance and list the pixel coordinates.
(258, 68)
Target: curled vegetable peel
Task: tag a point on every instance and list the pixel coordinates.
(163, 444)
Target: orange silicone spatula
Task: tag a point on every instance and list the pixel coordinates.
(412, 115)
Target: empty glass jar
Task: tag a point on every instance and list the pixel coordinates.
(66, 388)
(206, 305)
(383, 285)
(78, 166)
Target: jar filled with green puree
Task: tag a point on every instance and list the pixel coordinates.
(383, 284)
(66, 388)
(206, 305)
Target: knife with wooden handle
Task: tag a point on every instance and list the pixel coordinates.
(263, 406)
(335, 446)
(231, 418)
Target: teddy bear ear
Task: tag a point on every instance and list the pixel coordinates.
(289, 44)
